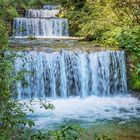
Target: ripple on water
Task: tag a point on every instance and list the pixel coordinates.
(86, 111)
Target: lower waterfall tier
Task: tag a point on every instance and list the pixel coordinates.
(40, 27)
(66, 73)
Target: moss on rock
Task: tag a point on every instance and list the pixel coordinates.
(133, 73)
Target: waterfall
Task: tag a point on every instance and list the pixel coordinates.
(41, 23)
(38, 27)
(32, 13)
(71, 73)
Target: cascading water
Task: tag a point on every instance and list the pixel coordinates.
(64, 77)
(84, 87)
(66, 73)
(41, 23)
(39, 27)
(32, 13)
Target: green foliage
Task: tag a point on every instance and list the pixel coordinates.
(66, 132)
(130, 39)
(134, 73)
(11, 112)
(71, 132)
(135, 82)
(110, 38)
(128, 10)
(3, 36)
(102, 137)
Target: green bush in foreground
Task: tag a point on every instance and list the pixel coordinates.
(69, 132)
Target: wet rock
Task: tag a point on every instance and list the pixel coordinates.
(48, 50)
(135, 93)
(97, 46)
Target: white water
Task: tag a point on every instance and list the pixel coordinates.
(67, 73)
(41, 23)
(87, 111)
(85, 88)
(41, 13)
(40, 27)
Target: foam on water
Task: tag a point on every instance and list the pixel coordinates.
(86, 111)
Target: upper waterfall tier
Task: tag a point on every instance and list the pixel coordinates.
(64, 74)
(41, 23)
(41, 13)
(39, 27)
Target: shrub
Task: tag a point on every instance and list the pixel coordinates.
(3, 36)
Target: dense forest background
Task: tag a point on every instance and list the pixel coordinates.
(115, 23)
